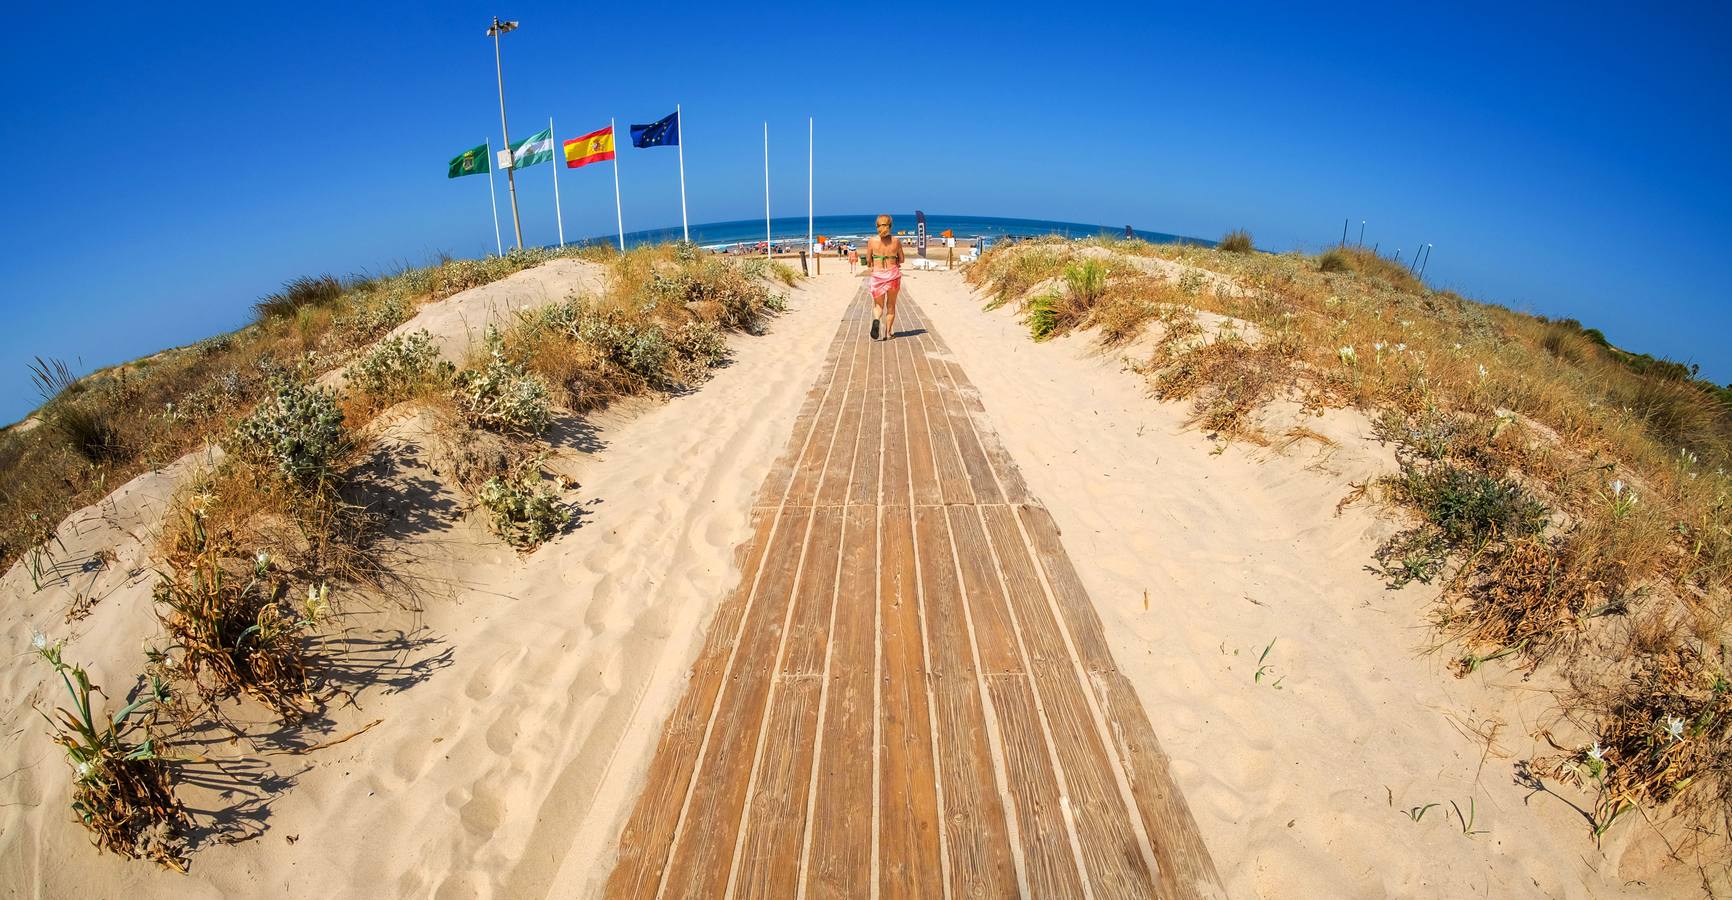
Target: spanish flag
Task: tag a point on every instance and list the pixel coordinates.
(597, 146)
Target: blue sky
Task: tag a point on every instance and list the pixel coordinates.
(171, 164)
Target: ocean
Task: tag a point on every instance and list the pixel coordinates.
(717, 234)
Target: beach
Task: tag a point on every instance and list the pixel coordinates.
(497, 732)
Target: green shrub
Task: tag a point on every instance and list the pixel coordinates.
(296, 432)
(1469, 508)
(522, 506)
(398, 365)
(502, 395)
(1236, 241)
(1087, 281)
(1043, 315)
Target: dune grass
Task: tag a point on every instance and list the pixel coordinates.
(252, 550)
(1564, 492)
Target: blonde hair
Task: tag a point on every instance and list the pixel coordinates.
(885, 216)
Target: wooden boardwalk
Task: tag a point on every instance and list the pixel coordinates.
(909, 694)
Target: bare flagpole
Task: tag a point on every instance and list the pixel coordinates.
(558, 216)
(766, 190)
(498, 28)
(498, 245)
(680, 120)
(619, 216)
(809, 245)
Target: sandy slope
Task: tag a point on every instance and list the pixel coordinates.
(1300, 790)
(516, 711)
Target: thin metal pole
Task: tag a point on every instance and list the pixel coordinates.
(1427, 260)
(1344, 232)
(493, 197)
(766, 191)
(618, 215)
(680, 120)
(1362, 233)
(510, 171)
(558, 216)
(1415, 260)
(809, 244)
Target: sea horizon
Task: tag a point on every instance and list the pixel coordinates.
(856, 225)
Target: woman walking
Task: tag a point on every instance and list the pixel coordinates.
(882, 258)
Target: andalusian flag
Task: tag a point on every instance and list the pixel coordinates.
(535, 149)
(470, 162)
(597, 146)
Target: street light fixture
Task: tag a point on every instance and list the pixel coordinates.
(494, 31)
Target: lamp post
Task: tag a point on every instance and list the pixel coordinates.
(494, 31)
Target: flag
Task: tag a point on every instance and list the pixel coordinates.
(470, 162)
(534, 150)
(664, 132)
(946, 233)
(597, 146)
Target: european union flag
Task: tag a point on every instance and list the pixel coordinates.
(663, 133)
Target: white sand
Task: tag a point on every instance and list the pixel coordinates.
(518, 718)
(1291, 786)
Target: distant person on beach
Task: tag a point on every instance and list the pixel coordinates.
(883, 261)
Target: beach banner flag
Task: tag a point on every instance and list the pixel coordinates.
(470, 162)
(597, 146)
(664, 132)
(920, 232)
(534, 150)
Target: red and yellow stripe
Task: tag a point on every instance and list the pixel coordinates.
(597, 146)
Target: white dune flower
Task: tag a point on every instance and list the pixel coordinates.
(83, 769)
(1618, 487)
(1674, 728)
(38, 640)
(1400, 348)
(1596, 753)
(1348, 355)
(1482, 371)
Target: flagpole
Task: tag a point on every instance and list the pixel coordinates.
(498, 29)
(558, 216)
(681, 146)
(498, 245)
(619, 216)
(809, 247)
(766, 191)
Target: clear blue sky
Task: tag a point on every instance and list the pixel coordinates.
(170, 164)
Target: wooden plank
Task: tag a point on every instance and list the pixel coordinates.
(976, 838)
(775, 484)
(895, 488)
(809, 627)
(1074, 605)
(947, 463)
(810, 470)
(699, 861)
(1046, 846)
(1010, 482)
(1111, 847)
(643, 846)
(867, 458)
(922, 470)
(840, 860)
(974, 462)
(838, 474)
(994, 633)
(1186, 869)
(776, 822)
(976, 833)
(908, 863)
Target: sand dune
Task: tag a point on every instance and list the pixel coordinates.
(517, 710)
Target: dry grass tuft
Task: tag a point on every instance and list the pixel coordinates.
(1236, 241)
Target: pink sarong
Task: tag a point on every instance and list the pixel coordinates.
(882, 280)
